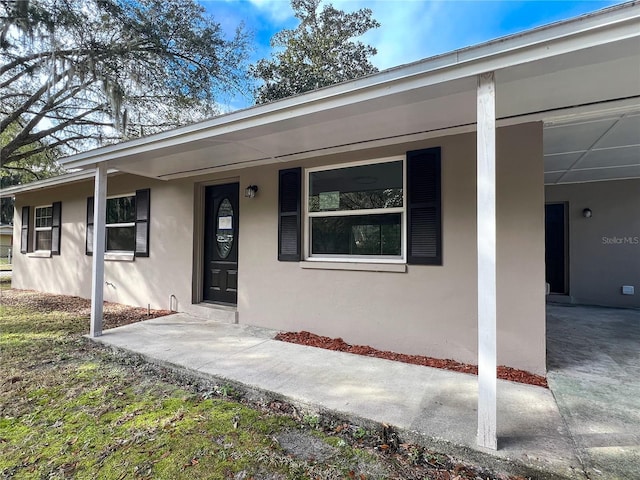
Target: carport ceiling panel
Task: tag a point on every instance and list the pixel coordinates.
(552, 178)
(625, 133)
(596, 174)
(611, 157)
(561, 161)
(575, 137)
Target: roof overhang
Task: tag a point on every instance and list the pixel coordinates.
(588, 66)
(52, 182)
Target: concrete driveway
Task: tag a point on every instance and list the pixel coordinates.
(593, 360)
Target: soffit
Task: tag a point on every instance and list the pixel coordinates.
(587, 74)
(535, 91)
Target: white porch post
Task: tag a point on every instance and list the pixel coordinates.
(487, 352)
(97, 276)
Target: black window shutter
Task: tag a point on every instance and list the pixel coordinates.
(89, 236)
(424, 207)
(56, 227)
(143, 204)
(24, 232)
(289, 202)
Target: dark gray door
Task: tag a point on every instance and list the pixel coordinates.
(221, 244)
(556, 247)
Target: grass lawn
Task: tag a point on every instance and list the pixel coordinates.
(69, 409)
(73, 409)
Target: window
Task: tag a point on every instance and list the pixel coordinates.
(43, 224)
(42, 236)
(121, 224)
(386, 210)
(357, 211)
(126, 224)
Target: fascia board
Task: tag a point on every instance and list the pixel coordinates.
(50, 182)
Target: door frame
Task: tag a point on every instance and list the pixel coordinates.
(197, 284)
(567, 272)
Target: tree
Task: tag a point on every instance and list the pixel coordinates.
(317, 53)
(39, 162)
(76, 74)
(34, 167)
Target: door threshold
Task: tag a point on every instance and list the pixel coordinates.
(559, 298)
(214, 311)
(221, 305)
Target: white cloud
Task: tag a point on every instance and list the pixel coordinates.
(277, 10)
(407, 26)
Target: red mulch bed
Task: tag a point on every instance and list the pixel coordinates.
(337, 344)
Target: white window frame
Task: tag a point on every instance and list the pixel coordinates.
(341, 213)
(37, 229)
(119, 225)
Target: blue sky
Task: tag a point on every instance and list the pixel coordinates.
(410, 29)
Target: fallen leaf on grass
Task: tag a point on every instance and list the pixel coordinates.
(192, 463)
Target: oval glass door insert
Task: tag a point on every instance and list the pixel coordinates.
(224, 228)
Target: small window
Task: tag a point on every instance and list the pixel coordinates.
(120, 224)
(43, 224)
(357, 211)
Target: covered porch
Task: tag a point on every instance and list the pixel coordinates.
(432, 407)
(586, 423)
(525, 79)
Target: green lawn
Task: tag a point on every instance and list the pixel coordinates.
(72, 409)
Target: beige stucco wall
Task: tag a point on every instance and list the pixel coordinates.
(429, 310)
(144, 281)
(604, 250)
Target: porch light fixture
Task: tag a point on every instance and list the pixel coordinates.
(251, 191)
(587, 213)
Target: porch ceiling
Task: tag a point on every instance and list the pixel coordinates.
(591, 149)
(551, 75)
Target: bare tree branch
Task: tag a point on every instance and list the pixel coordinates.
(77, 73)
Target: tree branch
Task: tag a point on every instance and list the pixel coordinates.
(22, 169)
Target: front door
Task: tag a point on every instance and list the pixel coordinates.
(556, 247)
(221, 244)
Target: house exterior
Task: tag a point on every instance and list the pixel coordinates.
(405, 210)
(6, 240)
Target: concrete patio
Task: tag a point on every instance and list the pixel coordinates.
(594, 373)
(593, 427)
